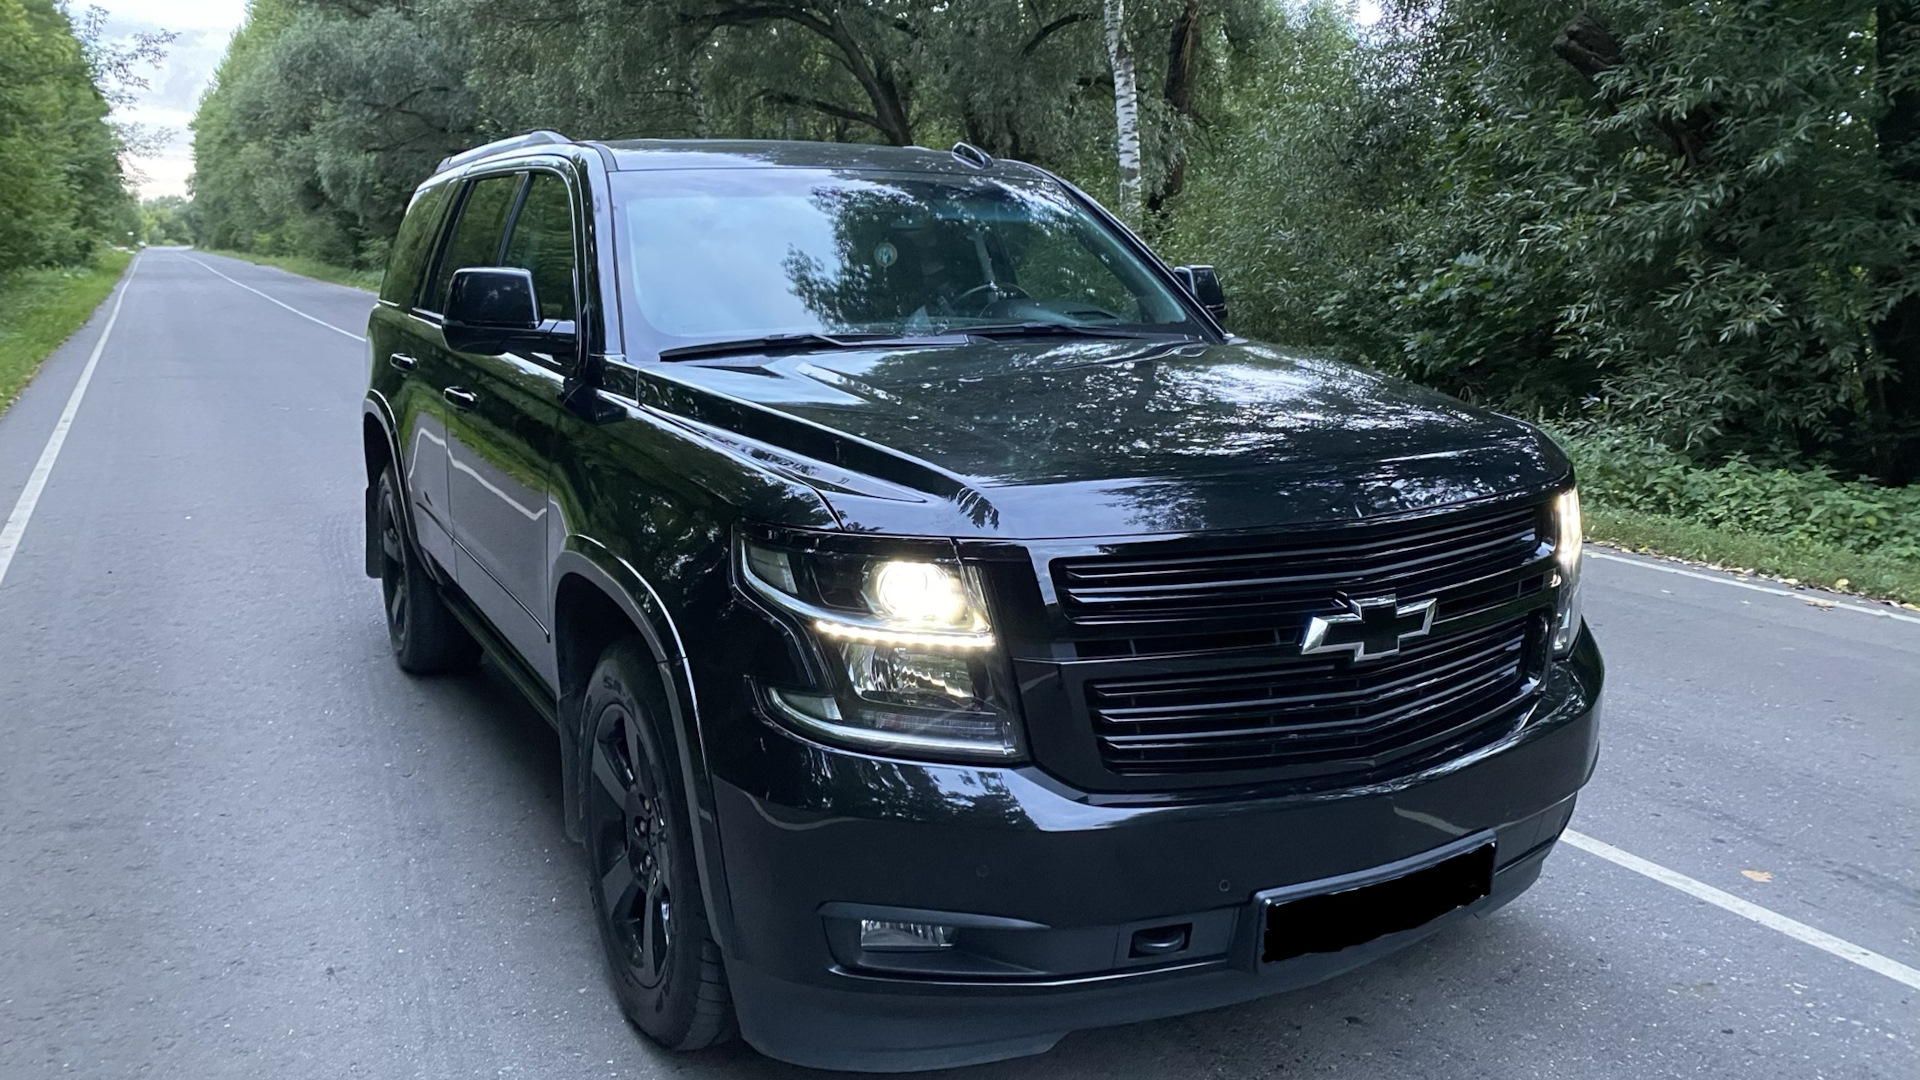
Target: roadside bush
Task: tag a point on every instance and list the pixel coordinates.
(1623, 471)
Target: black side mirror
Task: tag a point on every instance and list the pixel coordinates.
(1204, 285)
(492, 310)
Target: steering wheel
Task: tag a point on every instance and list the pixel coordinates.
(1000, 292)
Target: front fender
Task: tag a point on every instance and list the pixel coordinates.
(619, 581)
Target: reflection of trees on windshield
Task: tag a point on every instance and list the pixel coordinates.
(949, 253)
(886, 261)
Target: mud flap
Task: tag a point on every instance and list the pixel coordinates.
(374, 554)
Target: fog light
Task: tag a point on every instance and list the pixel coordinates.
(894, 936)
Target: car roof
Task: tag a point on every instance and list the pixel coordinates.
(641, 155)
(636, 155)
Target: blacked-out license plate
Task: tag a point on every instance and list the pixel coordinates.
(1329, 922)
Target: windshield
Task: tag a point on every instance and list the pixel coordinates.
(729, 254)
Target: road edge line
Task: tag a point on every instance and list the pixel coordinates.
(1746, 909)
(16, 526)
(1755, 586)
(209, 269)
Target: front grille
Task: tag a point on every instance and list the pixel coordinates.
(1189, 661)
(1319, 711)
(1254, 596)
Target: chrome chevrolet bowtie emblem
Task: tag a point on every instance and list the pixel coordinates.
(1374, 627)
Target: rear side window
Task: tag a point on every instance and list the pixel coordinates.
(476, 236)
(407, 263)
(542, 242)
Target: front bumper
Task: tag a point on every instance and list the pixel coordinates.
(1050, 886)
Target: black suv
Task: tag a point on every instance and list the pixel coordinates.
(954, 636)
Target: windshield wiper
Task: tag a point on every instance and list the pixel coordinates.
(804, 342)
(1051, 329)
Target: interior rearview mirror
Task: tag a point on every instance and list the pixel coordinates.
(1203, 284)
(493, 309)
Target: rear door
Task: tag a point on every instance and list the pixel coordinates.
(502, 438)
(400, 340)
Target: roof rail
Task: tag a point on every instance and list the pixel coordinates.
(972, 155)
(531, 138)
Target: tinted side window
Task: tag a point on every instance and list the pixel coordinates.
(542, 242)
(407, 262)
(476, 236)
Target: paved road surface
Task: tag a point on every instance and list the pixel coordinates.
(235, 841)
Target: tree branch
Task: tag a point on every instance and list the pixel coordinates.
(784, 98)
(1592, 49)
(1041, 35)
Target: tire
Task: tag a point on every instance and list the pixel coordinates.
(665, 966)
(427, 638)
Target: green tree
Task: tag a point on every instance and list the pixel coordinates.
(322, 119)
(164, 220)
(63, 193)
(1697, 220)
(1690, 219)
(1678, 211)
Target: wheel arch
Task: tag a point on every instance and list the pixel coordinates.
(379, 449)
(600, 598)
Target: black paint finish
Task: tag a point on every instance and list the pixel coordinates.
(567, 501)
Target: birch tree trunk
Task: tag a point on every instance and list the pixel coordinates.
(1126, 109)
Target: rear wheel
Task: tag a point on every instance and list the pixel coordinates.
(645, 886)
(427, 639)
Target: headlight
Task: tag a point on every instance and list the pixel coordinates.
(1567, 544)
(912, 664)
(920, 594)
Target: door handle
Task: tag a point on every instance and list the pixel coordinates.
(402, 361)
(459, 397)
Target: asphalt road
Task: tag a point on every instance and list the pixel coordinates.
(235, 841)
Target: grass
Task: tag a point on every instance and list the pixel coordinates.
(1818, 565)
(313, 268)
(39, 309)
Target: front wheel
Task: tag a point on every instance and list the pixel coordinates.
(666, 967)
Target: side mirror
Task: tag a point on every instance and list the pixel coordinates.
(1204, 285)
(492, 310)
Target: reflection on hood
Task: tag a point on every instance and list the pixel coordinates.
(1040, 439)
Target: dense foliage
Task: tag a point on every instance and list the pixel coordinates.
(164, 220)
(61, 192)
(1620, 471)
(1695, 220)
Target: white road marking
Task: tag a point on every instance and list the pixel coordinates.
(271, 300)
(1772, 920)
(1887, 613)
(16, 525)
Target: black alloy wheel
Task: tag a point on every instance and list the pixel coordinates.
(627, 825)
(427, 639)
(666, 968)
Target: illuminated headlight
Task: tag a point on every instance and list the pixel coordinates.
(912, 661)
(1567, 544)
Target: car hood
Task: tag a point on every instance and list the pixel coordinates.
(1052, 439)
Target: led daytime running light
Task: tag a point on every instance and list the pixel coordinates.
(1571, 538)
(874, 636)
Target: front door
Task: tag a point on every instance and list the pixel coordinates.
(500, 432)
(478, 234)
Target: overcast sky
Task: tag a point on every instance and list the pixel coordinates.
(204, 27)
